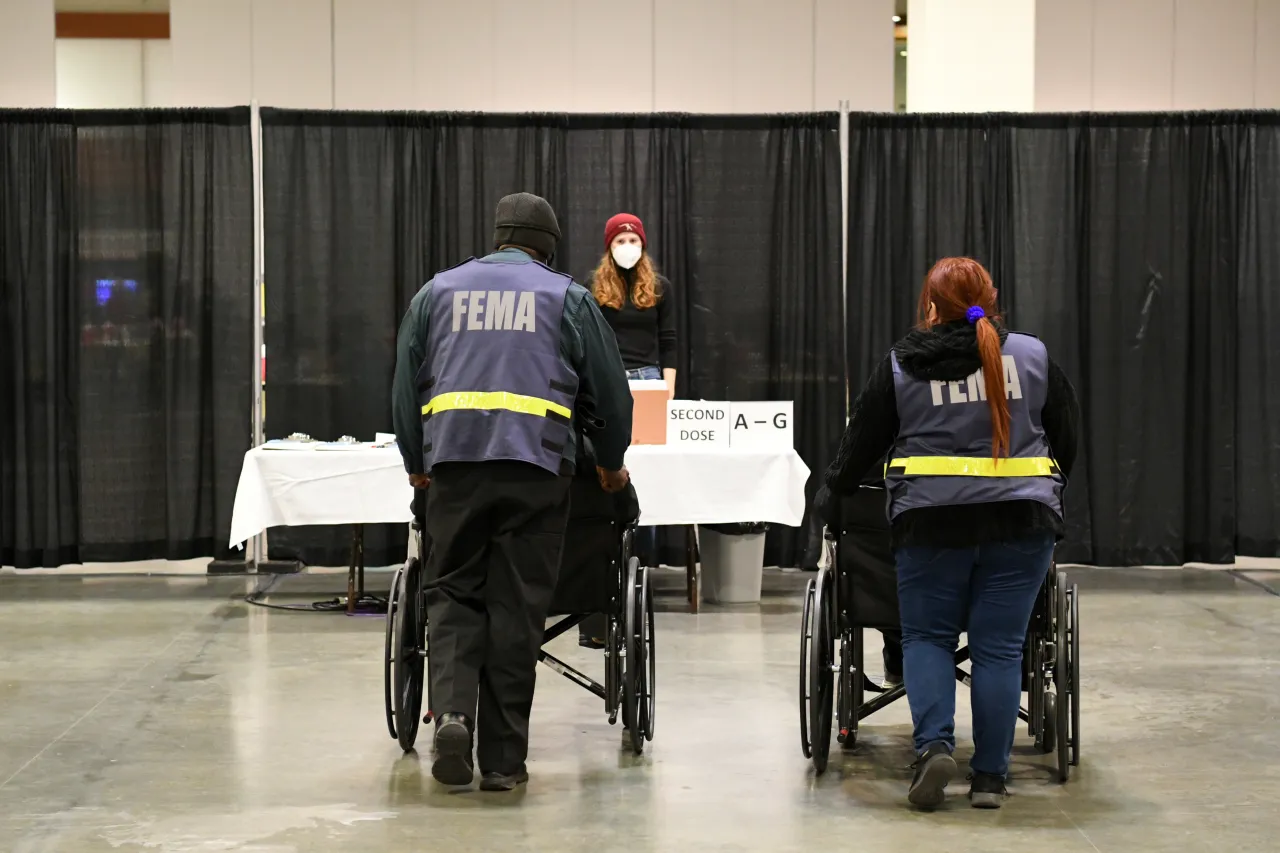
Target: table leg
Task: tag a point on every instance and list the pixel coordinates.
(360, 563)
(691, 567)
(357, 562)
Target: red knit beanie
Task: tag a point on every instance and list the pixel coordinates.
(623, 223)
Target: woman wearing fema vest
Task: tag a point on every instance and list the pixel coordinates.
(979, 426)
(637, 304)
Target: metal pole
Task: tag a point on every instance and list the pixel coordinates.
(844, 241)
(258, 545)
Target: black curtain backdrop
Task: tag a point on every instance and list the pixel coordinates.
(126, 239)
(1142, 250)
(742, 213)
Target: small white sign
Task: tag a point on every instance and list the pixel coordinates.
(762, 426)
(697, 423)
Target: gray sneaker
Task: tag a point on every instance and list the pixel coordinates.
(934, 771)
(986, 791)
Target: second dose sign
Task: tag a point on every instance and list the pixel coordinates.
(757, 426)
(698, 423)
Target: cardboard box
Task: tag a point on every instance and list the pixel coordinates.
(649, 413)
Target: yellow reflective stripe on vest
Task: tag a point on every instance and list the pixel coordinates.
(494, 400)
(965, 466)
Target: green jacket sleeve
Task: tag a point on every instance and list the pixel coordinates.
(411, 351)
(593, 354)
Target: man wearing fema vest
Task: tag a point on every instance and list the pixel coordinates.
(491, 358)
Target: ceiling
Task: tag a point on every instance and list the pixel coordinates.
(111, 5)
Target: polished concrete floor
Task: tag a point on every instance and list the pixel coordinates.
(152, 714)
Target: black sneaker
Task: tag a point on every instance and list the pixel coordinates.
(453, 764)
(934, 771)
(986, 791)
(503, 781)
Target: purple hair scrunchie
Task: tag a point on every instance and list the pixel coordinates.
(974, 314)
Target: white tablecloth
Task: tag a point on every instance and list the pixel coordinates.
(369, 486)
(683, 485)
(282, 488)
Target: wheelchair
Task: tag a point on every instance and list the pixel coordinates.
(598, 575)
(856, 589)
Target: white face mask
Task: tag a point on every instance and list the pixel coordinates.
(627, 255)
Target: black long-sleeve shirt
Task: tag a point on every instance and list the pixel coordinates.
(646, 336)
(948, 353)
(585, 344)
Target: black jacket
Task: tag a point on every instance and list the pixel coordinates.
(646, 336)
(948, 352)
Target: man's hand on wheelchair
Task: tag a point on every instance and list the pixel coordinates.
(826, 505)
(613, 481)
(419, 481)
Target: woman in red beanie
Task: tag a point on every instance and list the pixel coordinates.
(636, 302)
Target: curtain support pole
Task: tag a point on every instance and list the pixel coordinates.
(257, 547)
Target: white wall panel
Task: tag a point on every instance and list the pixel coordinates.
(532, 55)
(212, 44)
(373, 54)
(1213, 54)
(454, 62)
(1266, 52)
(28, 59)
(99, 73)
(975, 56)
(773, 55)
(1133, 55)
(157, 73)
(293, 53)
(853, 54)
(1064, 55)
(612, 56)
(693, 55)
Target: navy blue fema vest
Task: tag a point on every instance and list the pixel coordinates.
(494, 385)
(942, 456)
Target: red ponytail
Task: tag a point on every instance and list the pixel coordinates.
(993, 377)
(953, 289)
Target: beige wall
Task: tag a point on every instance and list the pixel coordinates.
(27, 75)
(1157, 54)
(520, 55)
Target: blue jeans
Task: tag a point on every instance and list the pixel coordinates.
(989, 591)
(646, 538)
(645, 373)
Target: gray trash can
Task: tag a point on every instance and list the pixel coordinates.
(732, 562)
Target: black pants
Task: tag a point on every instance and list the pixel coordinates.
(892, 654)
(497, 530)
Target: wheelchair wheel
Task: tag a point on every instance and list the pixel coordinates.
(1073, 670)
(821, 670)
(410, 656)
(388, 655)
(649, 672)
(806, 636)
(1038, 688)
(844, 695)
(1061, 678)
(634, 649)
(1047, 741)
